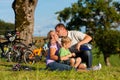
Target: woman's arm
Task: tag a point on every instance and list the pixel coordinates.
(52, 54)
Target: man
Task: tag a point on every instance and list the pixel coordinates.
(78, 39)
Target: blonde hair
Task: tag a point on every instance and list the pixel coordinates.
(65, 40)
(48, 35)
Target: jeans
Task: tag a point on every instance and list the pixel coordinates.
(59, 66)
(86, 57)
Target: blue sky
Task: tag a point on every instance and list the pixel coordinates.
(45, 18)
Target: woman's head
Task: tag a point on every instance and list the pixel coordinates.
(52, 36)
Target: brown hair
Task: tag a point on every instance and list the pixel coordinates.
(60, 25)
(65, 40)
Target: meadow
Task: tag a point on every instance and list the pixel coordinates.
(38, 72)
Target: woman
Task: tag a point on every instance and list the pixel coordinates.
(52, 60)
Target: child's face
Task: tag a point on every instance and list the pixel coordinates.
(68, 44)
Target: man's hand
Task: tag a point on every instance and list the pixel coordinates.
(73, 54)
(78, 47)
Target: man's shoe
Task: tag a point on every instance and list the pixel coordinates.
(97, 67)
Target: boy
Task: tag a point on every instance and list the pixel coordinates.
(67, 57)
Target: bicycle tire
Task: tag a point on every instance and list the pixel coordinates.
(27, 58)
(19, 49)
(7, 51)
(11, 56)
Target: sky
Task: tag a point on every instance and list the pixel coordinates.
(45, 17)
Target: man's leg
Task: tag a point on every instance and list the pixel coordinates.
(86, 57)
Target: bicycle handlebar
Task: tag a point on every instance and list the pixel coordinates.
(20, 39)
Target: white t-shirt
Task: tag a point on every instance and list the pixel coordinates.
(75, 36)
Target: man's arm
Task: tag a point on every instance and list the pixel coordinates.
(86, 39)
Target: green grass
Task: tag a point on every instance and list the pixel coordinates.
(106, 73)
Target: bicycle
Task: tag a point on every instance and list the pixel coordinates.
(33, 55)
(11, 48)
(16, 51)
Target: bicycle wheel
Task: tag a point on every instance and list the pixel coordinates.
(6, 49)
(11, 56)
(19, 49)
(28, 57)
(7, 52)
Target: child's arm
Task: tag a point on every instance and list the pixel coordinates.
(65, 57)
(73, 54)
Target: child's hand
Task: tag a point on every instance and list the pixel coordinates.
(73, 54)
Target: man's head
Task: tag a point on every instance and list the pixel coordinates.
(61, 30)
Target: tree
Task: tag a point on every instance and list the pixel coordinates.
(117, 7)
(24, 18)
(93, 14)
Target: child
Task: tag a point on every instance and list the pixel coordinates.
(66, 56)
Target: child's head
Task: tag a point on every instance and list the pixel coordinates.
(66, 42)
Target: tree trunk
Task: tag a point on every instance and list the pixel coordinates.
(106, 59)
(24, 18)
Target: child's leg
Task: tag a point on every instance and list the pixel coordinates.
(78, 61)
(72, 62)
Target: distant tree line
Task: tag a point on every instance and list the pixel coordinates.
(6, 26)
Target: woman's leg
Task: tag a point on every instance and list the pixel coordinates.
(59, 66)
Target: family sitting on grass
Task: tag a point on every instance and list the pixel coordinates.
(69, 50)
